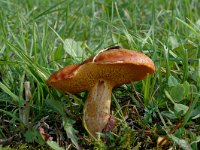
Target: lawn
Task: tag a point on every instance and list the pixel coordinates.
(38, 37)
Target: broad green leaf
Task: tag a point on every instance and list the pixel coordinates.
(197, 116)
(29, 136)
(177, 107)
(33, 136)
(71, 132)
(196, 74)
(177, 92)
(57, 105)
(169, 97)
(67, 123)
(180, 142)
(169, 115)
(192, 106)
(73, 48)
(196, 113)
(54, 145)
(193, 89)
(181, 107)
(172, 81)
(173, 41)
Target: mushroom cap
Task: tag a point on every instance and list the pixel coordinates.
(116, 66)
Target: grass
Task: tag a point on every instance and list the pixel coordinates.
(39, 37)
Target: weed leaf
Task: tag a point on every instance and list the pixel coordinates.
(73, 48)
(71, 132)
(56, 105)
(180, 107)
(177, 92)
(54, 145)
(182, 143)
(172, 81)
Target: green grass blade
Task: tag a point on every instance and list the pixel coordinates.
(15, 98)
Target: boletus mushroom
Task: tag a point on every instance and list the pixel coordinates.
(98, 75)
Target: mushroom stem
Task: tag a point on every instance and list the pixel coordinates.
(97, 107)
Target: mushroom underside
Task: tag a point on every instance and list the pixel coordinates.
(87, 75)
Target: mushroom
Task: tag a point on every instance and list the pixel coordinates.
(98, 75)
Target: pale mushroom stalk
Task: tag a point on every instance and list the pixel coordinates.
(97, 106)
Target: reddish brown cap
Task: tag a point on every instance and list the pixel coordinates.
(117, 66)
